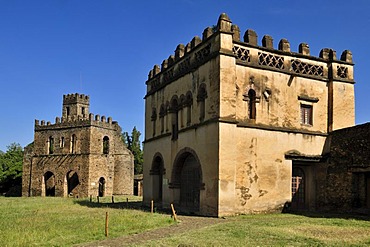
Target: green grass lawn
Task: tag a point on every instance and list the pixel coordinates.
(49, 221)
(40, 221)
(277, 230)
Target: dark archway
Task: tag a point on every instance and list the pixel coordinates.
(72, 182)
(101, 191)
(187, 175)
(49, 183)
(298, 188)
(157, 173)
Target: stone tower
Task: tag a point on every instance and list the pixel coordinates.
(75, 106)
(79, 155)
(231, 123)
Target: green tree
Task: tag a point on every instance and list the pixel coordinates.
(132, 142)
(11, 167)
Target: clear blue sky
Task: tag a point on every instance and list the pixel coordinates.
(106, 48)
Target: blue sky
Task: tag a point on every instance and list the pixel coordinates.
(105, 49)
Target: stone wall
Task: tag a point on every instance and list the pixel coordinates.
(77, 152)
(342, 180)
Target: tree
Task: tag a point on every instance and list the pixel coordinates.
(133, 144)
(11, 167)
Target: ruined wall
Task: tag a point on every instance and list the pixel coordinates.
(342, 179)
(68, 157)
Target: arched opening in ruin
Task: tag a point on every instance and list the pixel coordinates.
(157, 173)
(106, 145)
(187, 176)
(101, 189)
(49, 183)
(298, 188)
(72, 183)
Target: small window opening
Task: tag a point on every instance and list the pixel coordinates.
(306, 114)
(51, 145)
(68, 110)
(73, 144)
(62, 142)
(252, 104)
(105, 145)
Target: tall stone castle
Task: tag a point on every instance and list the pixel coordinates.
(232, 126)
(79, 155)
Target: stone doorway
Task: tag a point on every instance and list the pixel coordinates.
(49, 184)
(101, 191)
(190, 185)
(72, 183)
(157, 173)
(298, 188)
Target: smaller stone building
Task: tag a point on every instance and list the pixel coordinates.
(79, 155)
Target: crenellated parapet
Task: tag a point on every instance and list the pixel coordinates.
(78, 121)
(76, 98)
(248, 52)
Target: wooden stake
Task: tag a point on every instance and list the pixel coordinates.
(90, 198)
(106, 224)
(127, 202)
(151, 206)
(97, 198)
(112, 199)
(173, 212)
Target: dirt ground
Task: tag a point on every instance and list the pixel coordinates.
(186, 223)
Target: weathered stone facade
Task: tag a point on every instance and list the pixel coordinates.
(344, 178)
(229, 123)
(79, 155)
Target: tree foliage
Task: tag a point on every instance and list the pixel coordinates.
(11, 167)
(132, 142)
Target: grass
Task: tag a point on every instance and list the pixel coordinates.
(49, 221)
(276, 230)
(38, 221)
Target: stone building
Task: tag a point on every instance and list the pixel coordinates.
(233, 126)
(79, 155)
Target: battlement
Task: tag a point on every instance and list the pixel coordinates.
(77, 121)
(248, 52)
(75, 98)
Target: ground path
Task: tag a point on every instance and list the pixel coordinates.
(186, 223)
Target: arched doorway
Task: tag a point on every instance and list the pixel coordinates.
(72, 183)
(157, 173)
(298, 188)
(101, 191)
(49, 183)
(187, 176)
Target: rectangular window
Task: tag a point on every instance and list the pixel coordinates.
(306, 114)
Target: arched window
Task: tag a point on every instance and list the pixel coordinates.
(162, 114)
(252, 104)
(201, 98)
(188, 104)
(73, 144)
(154, 119)
(105, 145)
(61, 142)
(174, 109)
(51, 145)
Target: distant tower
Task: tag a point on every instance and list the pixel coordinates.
(75, 105)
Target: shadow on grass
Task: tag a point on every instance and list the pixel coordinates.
(362, 215)
(130, 205)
